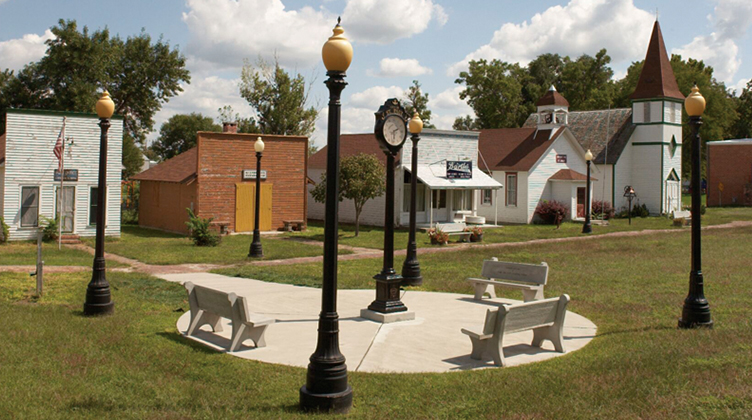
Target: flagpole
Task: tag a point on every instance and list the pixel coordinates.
(60, 193)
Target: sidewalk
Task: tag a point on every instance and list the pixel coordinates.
(430, 343)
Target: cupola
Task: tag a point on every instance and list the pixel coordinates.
(553, 110)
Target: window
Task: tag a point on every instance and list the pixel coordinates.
(487, 197)
(672, 147)
(420, 197)
(93, 197)
(439, 199)
(29, 206)
(463, 200)
(512, 190)
(646, 112)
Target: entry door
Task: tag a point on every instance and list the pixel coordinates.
(581, 199)
(672, 196)
(245, 207)
(439, 204)
(68, 206)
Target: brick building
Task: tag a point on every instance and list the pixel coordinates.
(217, 179)
(729, 173)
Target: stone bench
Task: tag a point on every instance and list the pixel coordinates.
(455, 229)
(544, 317)
(208, 306)
(530, 278)
(291, 225)
(684, 215)
(221, 226)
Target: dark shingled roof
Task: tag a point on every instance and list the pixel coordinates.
(657, 77)
(512, 149)
(570, 175)
(552, 97)
(181, 168)
(593, 129)
(351, 144)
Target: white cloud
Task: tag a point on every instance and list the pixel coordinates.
(16, 53)
(228, 31)
(373, 97)
(580, 27)
(731, 21)
(447, 106)
(385, 21)
(397, 67)
(205, 96)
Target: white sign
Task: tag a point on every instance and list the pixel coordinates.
(251, 174)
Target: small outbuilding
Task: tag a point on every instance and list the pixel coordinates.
(30, 183)
(217, 179)
(729, 173)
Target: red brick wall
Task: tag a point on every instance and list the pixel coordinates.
(162, 205)
(730, 164)
(222, 158)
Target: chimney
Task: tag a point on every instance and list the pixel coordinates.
(230, 127)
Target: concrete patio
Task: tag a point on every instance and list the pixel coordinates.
(430, 343)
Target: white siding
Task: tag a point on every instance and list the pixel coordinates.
(623, 177)
(372, 213)
(602, 187)
(30, 161)
(507, 214)
(638, 109)
(672, 112)
(538, 184)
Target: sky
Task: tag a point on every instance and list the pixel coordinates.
(394, 42)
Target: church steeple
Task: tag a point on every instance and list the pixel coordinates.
(657, 78)
(553, 110)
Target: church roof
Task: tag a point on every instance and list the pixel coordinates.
(657, 77)
(513, 149)
(596, 129)
(552, 97)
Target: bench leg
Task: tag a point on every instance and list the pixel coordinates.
(497, 353)
(203, 318)
(530, 295)
(243, 332)
(553, 333)
(481, 289)
(479, 347)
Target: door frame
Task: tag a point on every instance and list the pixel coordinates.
(73, 207)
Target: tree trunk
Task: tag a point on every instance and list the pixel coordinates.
(358, 209)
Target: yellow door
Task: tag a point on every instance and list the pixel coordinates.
(245, 196)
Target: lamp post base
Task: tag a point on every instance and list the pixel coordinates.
(387, 294)
(98, 302)
(411, 273)
(256, 251)
(587, 228)
(696, 310)
(338, 403)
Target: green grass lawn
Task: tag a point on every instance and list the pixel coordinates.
(373, 237)
(25, 253)
(155, 247)
(57, 364)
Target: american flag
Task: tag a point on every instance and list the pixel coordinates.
(58, 150)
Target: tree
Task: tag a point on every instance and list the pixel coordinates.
(279, 100)
(245, 125)
(140, 74)
(417, 101)
(586, 82)
(133, 159)
(464, 123)
(178, 134)
(494, 91)
(361, 178)
(312, 148)
(743, 127)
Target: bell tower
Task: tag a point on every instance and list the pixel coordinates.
(553, 110)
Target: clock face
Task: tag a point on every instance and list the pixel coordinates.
(395, 130)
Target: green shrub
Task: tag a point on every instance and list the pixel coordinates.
(200, 230)
(49, 228)
(4, 231)
(129, 217)
(640, 211)
(603, 209)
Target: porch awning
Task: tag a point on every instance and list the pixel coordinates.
(435, 177)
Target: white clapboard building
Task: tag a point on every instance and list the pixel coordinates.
(30, 181)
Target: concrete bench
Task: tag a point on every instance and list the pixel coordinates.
(455, 229)
(291, 225)
(544, 317)
(685, 215)
(529, 278)
(221, 226)
(208, 306)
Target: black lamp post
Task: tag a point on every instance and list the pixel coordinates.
(696, 311)
(257, 250)
(629, 193)
(411, 267)
(98, 297)
(326, 387)
(587, 228)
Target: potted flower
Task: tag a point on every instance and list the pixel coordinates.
(438, 237)
(477, 234)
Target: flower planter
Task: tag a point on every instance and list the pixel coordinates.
(476, 238)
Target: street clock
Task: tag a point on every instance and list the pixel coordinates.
(391, 126)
